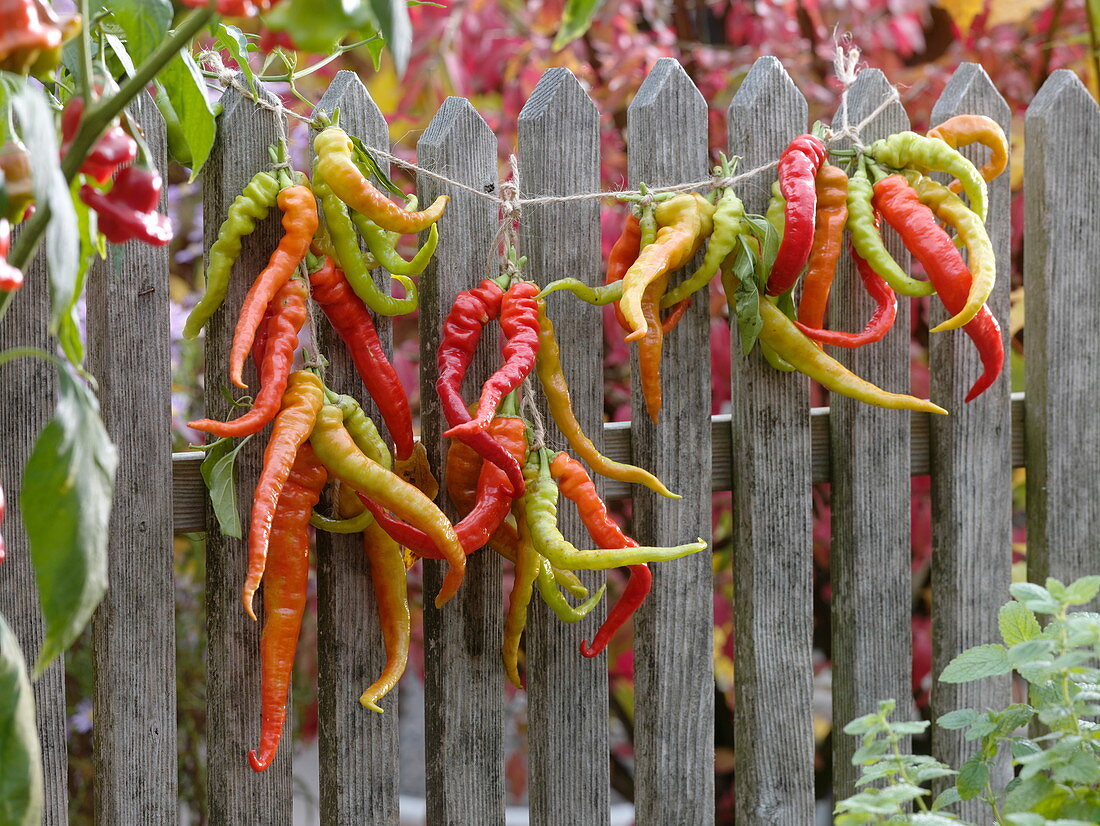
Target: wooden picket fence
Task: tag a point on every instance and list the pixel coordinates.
(768, 450)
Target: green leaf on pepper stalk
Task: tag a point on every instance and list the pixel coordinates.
(576, 18)
(236, 44)
(369, 167)
(21, 788)
(186, 90)
(68, 486)
(219, 472)
(746, 298)
(321, 25)
(393, 21)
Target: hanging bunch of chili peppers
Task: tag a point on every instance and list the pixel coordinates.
(761, 259)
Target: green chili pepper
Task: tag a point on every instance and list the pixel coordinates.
(341, 231)
(364, 432)
(247, 209)
(353, 524)
(599, 296)
(777, 210)
(382, 247)
(728, 224)
(925, 154)
(548, 587)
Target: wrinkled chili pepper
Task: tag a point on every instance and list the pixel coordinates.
(576, 485)
(796, 171)
(729, 214)
(651, 348)
(249, 208)
(556, 391)
(387, 574)
(515, 619)
(929, 244)
(336, 166)
(112, 148)
(382, 248)
(924, 154)
(11, 278)
(520, 325)
(981, 260)
(285, 589)
(462, 329)
(32, 35)
(128, 211)
(299, 223)
(541, 506)
(282, 340)
(336, 448)
(964, 130)
(301, 402)
(832, 214)
(886, 310)
(356, 267)
(352, 322)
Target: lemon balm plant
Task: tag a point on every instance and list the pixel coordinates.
(1053, 738)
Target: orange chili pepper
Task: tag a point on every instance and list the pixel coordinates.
(963, 130)
(832, 214)
(650, 348)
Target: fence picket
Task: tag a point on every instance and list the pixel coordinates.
(559, 132)
(134, 693)
(673, 656)
(352, 740)
(971, 464)
(1061, 247)
(870, 553)
(463, 676)
(773, 601)
(233, 649)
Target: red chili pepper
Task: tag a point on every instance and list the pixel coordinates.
(577, 486)
(519, 320)
(352, 322)
(916, 224)
(797, 172)
(462, 330)
(886, 310)
(11, 278)
(128, 210)
(112, 149)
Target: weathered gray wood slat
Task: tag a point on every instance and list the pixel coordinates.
(358, 748)
(674, 675)
(971, 466)
(559, 136)
(463, 676)
(134, 690)
(189, 496)
(871, 548)
(770, 424)
(233, 651)
(1061, 248)
(26, 405)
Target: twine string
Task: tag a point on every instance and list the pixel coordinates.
(530, 411)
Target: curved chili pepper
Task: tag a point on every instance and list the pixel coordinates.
(796, 170)
(520, 325)
(924, 154)
(285, 597)
(249, 208)
(336, 448)
(729, 216)
(11, 278)
(541, 506)
(651, 347)
(382, 248)
(886, 310)
(981, 260)
(515, 619)
(112, 148)
(964, 130)
(128, 211)
(576, 485)
(387, 574)
(832, 214)
(351, 321)
(623, 254)
(301, 402)
(337, 167)
(299, 223)
(556, 391)
(282, 340)
(929, 244)
(462, 329)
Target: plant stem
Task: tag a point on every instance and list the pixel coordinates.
(85, 79)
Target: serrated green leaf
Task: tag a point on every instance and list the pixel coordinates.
(1056, 588)
(932, 819)
(235, 43)
(186, 91)
(1017, 623)
(145, 23)
(907, 727)
(1035, 597)
(976, 664)
(1027, 793)
(1082, 591)
(870, 752)
(576, 18)
(861, 725)
(1022, 746)
(219, 472)
(21, 789)
(1030, 651)
(973, 775)
(68, 486)
(392, 17)
(948, 797)
(961, 718)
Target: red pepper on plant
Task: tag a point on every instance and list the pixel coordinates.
(797, 173)
(112, 149)
(11, 278)
(886, 310)
(128, 211)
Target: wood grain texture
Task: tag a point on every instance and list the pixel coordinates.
(134, 694)
(673, 640)
(559, 132)
(233, 653)
(871, 548)
(463, 674)
(770, 423)
(26, 404)
(971, 462)
(1061, 248)
(358, 748)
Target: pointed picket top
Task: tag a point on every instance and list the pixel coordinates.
(667, 96)
(558, 94)
(868, 92)
(359, 114)
(1062, 89)
(231, 101)
(971, 91)
(456, 121)
(759, 113)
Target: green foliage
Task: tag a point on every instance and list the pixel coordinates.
(21, 779)
(219, 472)
(576, 17)
(1057, 780)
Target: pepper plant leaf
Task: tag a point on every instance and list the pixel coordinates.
(144, 22)
(576, 18)
(20, 755)
(219, 472)
(394, 24)
(186, 90)
(68, 485)
(236, 44)
(746, 300)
